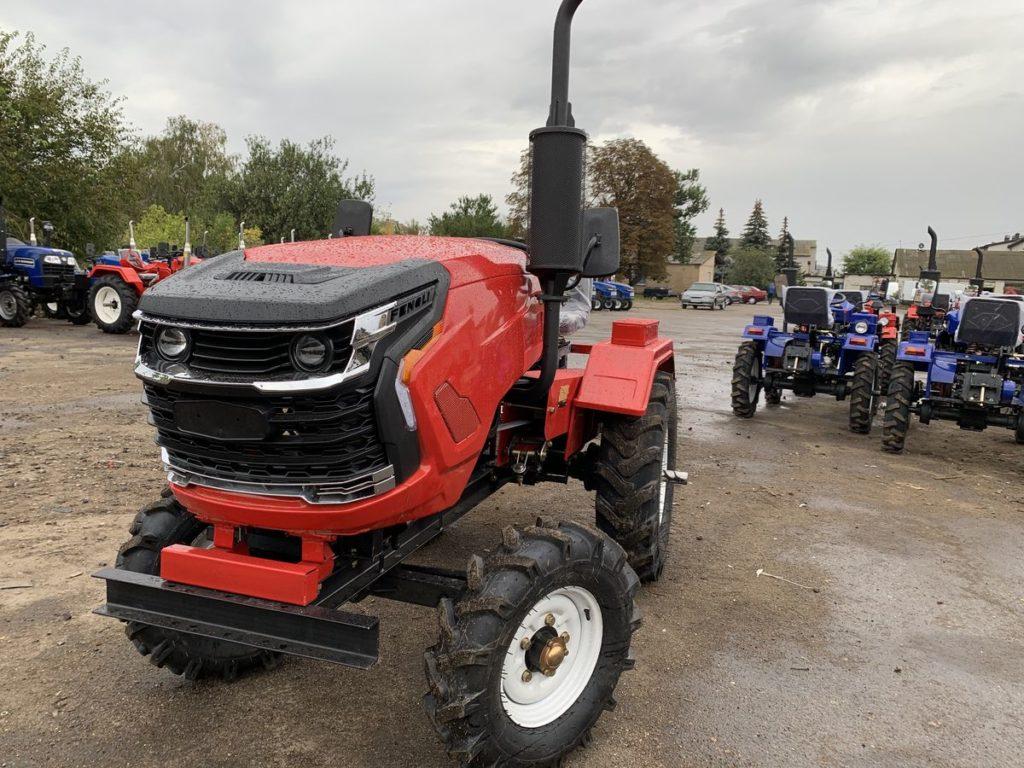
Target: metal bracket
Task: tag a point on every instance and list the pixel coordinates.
(675, 476)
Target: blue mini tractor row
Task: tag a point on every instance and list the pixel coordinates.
(825, 346)
(32, 275)
(974, 370)
(612, 296)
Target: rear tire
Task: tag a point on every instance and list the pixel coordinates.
(15, 306)
(634, 500)
(627, 305)
(159, 525)
(77, 314)
(1018, 433)
(608, 304)
(863, 401)
(111, 303)
(488, 700)
(746, 383)
(896, 423)
(595, 305)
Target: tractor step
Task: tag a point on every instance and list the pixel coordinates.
(312, 631)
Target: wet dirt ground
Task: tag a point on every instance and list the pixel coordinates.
(898, 639)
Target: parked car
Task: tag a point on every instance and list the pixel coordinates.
(749, 294)
(733, 295)
(710, 295)
(658, 292)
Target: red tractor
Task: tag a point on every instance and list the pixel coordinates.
(325, 409)
(927, 311)
(116, 283)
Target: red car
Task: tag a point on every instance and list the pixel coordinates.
(751, 295)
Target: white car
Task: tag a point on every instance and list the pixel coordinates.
(710, 295)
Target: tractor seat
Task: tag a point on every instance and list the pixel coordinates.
(990, 322)
(808, 306)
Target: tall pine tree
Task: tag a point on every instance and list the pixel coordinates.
(719, 243)
(755, 233)
(782, 254)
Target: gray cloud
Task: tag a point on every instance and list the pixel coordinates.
(862, 121)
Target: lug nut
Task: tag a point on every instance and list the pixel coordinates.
(527, 676)
(524, 643)
(549, 672)
(550, 619)
(564, 637)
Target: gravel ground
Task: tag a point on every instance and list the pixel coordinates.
(895, 642)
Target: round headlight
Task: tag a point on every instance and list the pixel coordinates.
(861, 327)
(883, 321)
(311, 353)
(172, 343)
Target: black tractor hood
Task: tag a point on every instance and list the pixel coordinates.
(229, 289)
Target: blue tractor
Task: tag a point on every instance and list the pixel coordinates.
(612, 296)
(973, 366)
(32, 275)
(825, 346)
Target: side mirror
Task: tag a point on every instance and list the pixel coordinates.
(352, 218)
(600, 242)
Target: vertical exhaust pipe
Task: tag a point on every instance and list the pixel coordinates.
(186, 253)
(978, 281)
(32, 231)
(557, 153)
(829, 278)
(293, 235)
(932, 273)
(790, 269)
(131, 235)
(241, 235)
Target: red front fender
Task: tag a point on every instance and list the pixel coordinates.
(127, 274)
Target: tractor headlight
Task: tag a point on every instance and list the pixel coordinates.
(70, 261)
(883, 321)
(311, 352)
(172, 344)
(861, 327)
(370, 327)
(51, 258)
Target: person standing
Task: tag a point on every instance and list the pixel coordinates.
(771, 292)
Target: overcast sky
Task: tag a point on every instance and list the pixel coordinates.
(861, 121)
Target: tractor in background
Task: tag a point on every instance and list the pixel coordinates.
(612, 296)
(117, 281)
(33, 275)
(974, 369)
(825, 346)
(928, 308)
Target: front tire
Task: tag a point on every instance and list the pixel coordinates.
(627, 305)
(596, 305)
(608, 304)
(634, 499)
(896, 423)
(159, 525)
(15, 306)
(111, 303)
(886, 360)
(746, 380)
(863, 400)
(498, 695)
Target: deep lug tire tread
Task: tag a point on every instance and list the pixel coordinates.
(129, 302)
(896, 422)
(156, 526)
(463, 669)
(627, 477)
(741, 403)
(22, 306)
(863, 403)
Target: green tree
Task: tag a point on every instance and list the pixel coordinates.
(469, 217)
(755, 233)
(186, 169)
(719, 243)
(751, 266)
(868, 260)
(782, 252)
(626, 174)
(291, 186)
(518, 200)
(691, 201)
(63, 141)
(156, 226)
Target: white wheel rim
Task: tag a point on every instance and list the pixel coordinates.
(107, 305)
(8, 305)
(539, 700)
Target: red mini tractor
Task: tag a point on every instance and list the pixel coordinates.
(117, 283)
(928, 309)
(324, 409)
